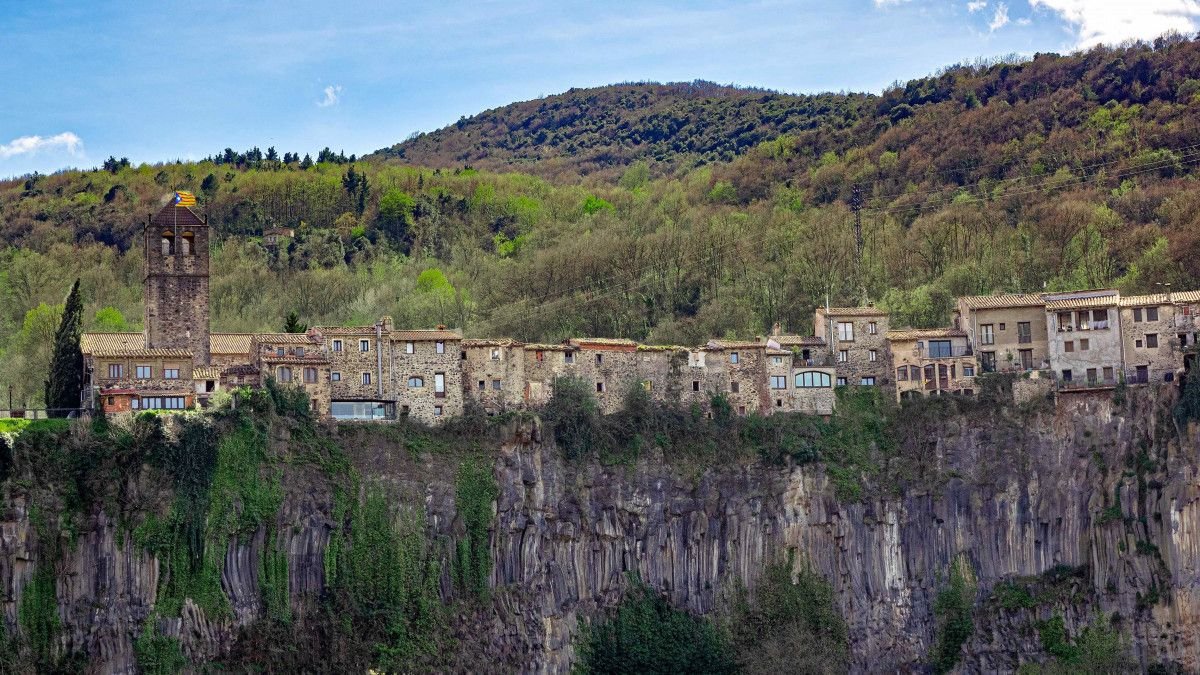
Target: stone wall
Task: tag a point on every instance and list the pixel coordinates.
(1103, 348)
(421, 400)
(1165, 358)
(858, 363)
(492, 362)
(1006, 346)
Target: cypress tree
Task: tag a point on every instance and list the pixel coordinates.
(66, 366)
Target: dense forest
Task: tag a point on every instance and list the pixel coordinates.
(667, 213)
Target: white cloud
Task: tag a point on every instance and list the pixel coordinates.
(333, 94)
(889, 3)
(1114, 21)
(1000, 18)
(26, 145)
(976, 5)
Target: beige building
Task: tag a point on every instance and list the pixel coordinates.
(1158, 332)
(857, 344)
(932, 361)
(494, 373)
(1085, 345)
(1007, 332)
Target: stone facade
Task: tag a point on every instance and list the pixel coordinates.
(1085, 343)
(1155, 332)
(176, 282)
(296, 360)
(932, 362)
(494, 373)
(143, 379)
(424, 376)
(1008, 332)
(857, 344)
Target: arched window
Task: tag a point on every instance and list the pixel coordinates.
(168, 243)
(810, 379)
(187, 243)
(285, 374)
(416, 382)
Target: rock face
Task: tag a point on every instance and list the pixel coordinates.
(1109, 492)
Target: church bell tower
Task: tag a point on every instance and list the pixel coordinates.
(175, 280)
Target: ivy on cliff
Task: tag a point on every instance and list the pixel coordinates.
(475, 491)
(953, 607)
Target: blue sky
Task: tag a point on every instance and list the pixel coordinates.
(159, 81)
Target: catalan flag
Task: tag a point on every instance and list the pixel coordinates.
(184, 199)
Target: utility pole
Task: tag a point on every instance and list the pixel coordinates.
(856, 207)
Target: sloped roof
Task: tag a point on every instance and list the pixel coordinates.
(285, 338)
(490, 342)
(805, 340)
(851, 311)
(661, 348)
(616, 342)
(183, 216)
(536, 347)
(735, 344)
(425, 335)
(924, 333)
(1003, 300)
(1160, 299)
(1097, 297)
(90, 343)
(229, 343)
(148, 353)
(206, 373)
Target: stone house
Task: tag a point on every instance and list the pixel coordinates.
(277, 236)
(143, 379)
(932, 361)
(175, 282)
(1085, 344)
(229, 349)
(543, 363)
(857, 344)
(608, 365)
(1156, 330)
(296, 360)
(425, 379)
(493, 373)
(1007, 331)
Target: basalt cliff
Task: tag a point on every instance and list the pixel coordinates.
(1084, 505)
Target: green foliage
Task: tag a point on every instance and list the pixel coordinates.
(157, 654)
(292, 324)
(648, 635)
(574, 416)
(273, 580)
(594, 204)
(38, 612)
(789, 625)
(475, 492)
(109, 320)
(1013, 596)
(953, 609)
(65, 381)
(1053, 634)
(1187, 408)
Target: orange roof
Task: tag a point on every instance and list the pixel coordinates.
(424, 335)
(90, 343)
(229, 343)
(490, 342)
(735, 344)
(1160, 299)
(924, 333)
(851, 311)
(1003, 300)
(206, 373)
(285, 339)
(149, 353)
(182, 216)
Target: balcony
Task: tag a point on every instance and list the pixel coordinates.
(944, 353)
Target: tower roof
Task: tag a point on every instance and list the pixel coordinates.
(171, 215)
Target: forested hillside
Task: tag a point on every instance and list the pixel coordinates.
(1055, 172)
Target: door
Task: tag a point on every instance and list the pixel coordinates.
(1026, 359)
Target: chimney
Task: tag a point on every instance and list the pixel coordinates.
(441, 326)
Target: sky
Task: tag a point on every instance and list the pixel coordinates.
(160, 81)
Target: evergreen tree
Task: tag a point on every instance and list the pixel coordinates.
(292, 324)
(66, 366)
(307, 162)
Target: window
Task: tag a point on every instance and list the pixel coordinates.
(1083, 320)
(939, 349)
(986, 336)
(299, 351)
(599, 387)
(539, 355)
(1137, 343)
(777, 360)
(872, 355)
(142, 372)
(734, 387)
(1066, 375)
(171, 374)
(1152, 314)
(1091, 374)
(733, 357)
(437, 411)
(495, 353)
(283, 374)
(695, 385)
(809, 379)
(185, 243)
(337, 345)
(843, 356)
(902, 374)
(168, 244)
(742, 410)
(440, 347)
(136, 403)
(1026, 359)
(1137, 314)
(366, 378)
(599, 359)
(1024, 334)
(115, 370)
(280, 351)
(867, 382)
(496, 384)
(1152, 340)
(968, 370)
(841, 382)
(110, 400)
(160, 403)
(335, 377)
(365, 345)
(1084, 345)
(1100, 318)
(872, 328)
(568, 357)
(482, 385)
(310, 375)
(463, 355)
(416, 382)
(1069, 346)
(845, 331)
(439, 384)
(1001, 326)
(1064, 321)
(779, 382)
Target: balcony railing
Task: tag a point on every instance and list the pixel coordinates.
(943, 353)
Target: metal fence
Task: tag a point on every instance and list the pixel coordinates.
(42, 413)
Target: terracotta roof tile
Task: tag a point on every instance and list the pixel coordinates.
(229, 343)
(286, 339)
(924, 333)
(206, 373)
(425, 335)
(1099, 297)
(620, 342)
(806, 340)
(89, 343)
(536, 347)
(735, 344)
(170, 216)
(851, 311)
(161, 352)
(1003, 300)
(1160, 299)
(490, 342)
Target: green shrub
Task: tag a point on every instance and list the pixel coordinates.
(475, 491)
(648, 635)
(157, 654)
(953, 609)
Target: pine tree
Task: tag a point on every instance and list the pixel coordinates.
(292, 324)
(66, 366)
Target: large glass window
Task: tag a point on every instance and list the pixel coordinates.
(939, 348)
(809, 379)
(361, 410)
(986, 335)
(845, 331)
(778, 382)
(143, 372)
(171, 373)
